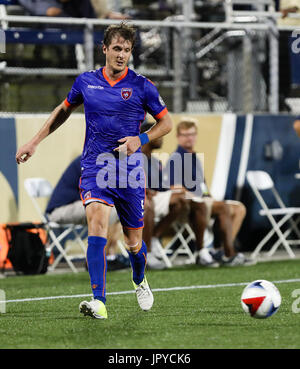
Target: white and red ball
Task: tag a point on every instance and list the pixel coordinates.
(261, 299)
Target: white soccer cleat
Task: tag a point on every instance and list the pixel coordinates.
(95, 309)
(144, 295)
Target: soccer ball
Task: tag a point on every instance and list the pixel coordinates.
(261, 299)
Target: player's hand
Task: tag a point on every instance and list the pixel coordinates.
(25, 152)
(129, 145)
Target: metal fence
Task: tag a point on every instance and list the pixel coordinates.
(198, 66)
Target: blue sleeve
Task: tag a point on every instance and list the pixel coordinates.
(75, 95)
(154, 104)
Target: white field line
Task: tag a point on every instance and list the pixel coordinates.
(154, 290)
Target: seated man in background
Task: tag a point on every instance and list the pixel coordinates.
(190, 177)
(164, 205)
(65, 206)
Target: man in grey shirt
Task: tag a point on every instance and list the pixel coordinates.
(184, 171)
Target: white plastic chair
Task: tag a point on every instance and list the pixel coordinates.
(184, 234)
(41, 188)
(260, 181)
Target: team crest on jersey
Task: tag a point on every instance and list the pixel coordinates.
(126, 93)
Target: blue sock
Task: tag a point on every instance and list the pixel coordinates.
(96, 260)
(138, 263)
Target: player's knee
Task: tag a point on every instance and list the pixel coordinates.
(97, 230)
(97, 227)
(134, 248)
(133, 239)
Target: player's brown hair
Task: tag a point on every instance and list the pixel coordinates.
(186, 124)
(125, 30)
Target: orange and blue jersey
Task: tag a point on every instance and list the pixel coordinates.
(114, 110)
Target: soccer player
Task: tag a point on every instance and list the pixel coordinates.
(115, 100)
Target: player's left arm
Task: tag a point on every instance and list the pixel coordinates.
(58, 116)
(161, 128)
(130, 144)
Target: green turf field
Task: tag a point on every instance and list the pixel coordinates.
(195, 318)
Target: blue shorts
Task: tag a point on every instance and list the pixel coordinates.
(129, 202)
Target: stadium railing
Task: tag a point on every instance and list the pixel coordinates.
(40, 30)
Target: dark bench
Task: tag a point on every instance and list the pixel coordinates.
(48, 36)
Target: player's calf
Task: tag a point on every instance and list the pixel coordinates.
(138, 259)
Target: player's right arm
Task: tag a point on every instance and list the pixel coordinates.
(59, 115)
